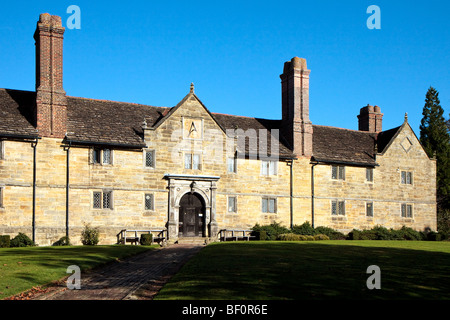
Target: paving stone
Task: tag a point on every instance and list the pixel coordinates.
(138, 277)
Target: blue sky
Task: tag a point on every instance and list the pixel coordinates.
(150, 51)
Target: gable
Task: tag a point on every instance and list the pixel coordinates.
(404, 143)
(190, 107)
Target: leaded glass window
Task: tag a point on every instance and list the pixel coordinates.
(149, 202)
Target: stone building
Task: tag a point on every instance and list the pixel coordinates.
(67, 161)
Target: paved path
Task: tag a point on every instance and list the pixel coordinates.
(138, 277)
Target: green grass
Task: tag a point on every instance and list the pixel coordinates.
(24, 268)
(314, 270)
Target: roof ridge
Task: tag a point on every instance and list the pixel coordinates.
(233, 115)
(5, 89)
(113, 101)
(353, 130)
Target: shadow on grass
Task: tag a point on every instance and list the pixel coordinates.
(23, 268)
(301, 270)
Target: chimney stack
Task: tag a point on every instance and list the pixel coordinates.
(51, 103)
(296, 126)
(370, 119)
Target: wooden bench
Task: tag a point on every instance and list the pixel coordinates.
(131, 236)
(236, 235)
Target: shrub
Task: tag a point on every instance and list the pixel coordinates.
(321, 237)
(5, 241)
(409, 234)
(305, 229)
(287, 237)
(356, 234)
(260, 235)
(63, 241)
(331, 233)
(433, 236)
(272, 230)
(21, 240)
(146, 239)
(380, 233)
(290, 237)
(89, 235)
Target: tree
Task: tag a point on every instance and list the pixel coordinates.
(435, 138)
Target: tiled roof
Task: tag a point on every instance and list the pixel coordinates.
(15, 113)
(93, 121)
(337, 145)
(246, 123)
(109, 122)
(385, 137)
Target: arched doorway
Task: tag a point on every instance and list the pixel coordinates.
(191, 219)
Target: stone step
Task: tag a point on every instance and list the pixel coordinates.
(193, 240)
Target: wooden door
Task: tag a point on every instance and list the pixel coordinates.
(191, 215)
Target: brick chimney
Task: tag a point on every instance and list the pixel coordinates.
(51, 104)
(296, 126)
(370, 119)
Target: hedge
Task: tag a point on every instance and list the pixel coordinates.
(5, 241)
(275, 231)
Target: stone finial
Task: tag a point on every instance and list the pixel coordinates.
(406, 116)
(192, 87)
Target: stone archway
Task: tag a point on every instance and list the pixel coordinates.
(204, 187)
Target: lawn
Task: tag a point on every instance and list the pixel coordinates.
(24, 268)
(262, 270)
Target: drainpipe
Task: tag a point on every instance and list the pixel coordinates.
(33, 223)
(67, 187)
(312, 193)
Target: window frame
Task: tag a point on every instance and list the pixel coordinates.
(150, 151)
(267, 209)
(232, 160)
(152, 207)
(2, 149)
(404, 209)
(101, 201)
(369, 204)
(408, 176)
(110, 156)
(98, 156)
(191, 161)
(234, 204)
(266, 169)
(2, 191)
(369, 175)
(110, 199)
(337, 204)
(337, 172)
